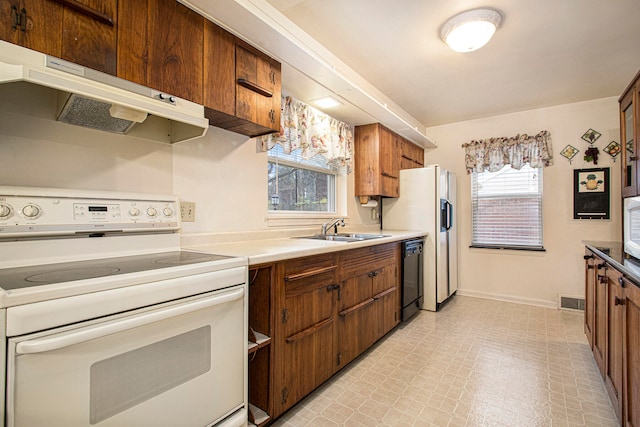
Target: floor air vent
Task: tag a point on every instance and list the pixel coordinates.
(570, 303)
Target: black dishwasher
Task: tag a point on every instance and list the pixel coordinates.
(412, 277)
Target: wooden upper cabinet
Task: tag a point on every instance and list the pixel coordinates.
(89, 34)
(377, 161)
(629, 128)
(160, 45)
(242, 85)
(412, 155)
(219, 70)
(83, 32)
(34, 24)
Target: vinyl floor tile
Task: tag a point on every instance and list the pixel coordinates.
(475, 363)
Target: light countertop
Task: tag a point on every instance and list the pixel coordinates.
(262, 251)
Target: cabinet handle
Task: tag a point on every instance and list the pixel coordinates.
(602, 279)
(619, 301)
(357, 307)
(385, 292)
(308, 331)
(86, 10)
(621, 281)
(588, 257)
(255, 88)
(633, 158)
(590, 267)
(306, 274)
(389, 175)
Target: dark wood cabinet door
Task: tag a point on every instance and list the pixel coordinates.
(133, 37)
(589, 292)
(600, 327)
(42, 30)
(613, 360)
(631, 355)
(219, 69)
(628, 141)
(308, 342)
(304, 335)
(88, 41)
(377, 161)
(257, 88)
(175, 50)
(356, 317)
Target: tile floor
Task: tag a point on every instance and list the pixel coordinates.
(475, 363)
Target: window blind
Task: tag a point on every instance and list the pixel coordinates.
(507, 208)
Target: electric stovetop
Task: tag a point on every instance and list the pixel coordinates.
(47, 274)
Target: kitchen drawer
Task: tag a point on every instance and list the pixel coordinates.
(359, 261)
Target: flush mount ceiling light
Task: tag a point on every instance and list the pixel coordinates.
(470, 30)
(326, 102)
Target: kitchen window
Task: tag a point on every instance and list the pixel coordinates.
(299, 185)
(507, 208)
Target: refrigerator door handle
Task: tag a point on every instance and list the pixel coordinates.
(449, 215)
(444, 215)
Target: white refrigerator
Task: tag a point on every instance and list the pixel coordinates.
(427, 202)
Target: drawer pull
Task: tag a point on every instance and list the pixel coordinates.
(619, 301)
(588, 257)
(255, 88)
(357, 307)
(309, 273)
(308, 331)
(385, 292)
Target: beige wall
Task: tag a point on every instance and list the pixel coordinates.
(226, 176)
(535, 277)
(222, 172)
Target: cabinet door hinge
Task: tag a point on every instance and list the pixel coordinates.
(284, 395)
(18, 19)
(339, 360)
(285, 315)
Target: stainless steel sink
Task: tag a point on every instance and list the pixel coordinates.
(344, 237)
(361, 236)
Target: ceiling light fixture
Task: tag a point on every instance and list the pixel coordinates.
(326, 102)
(470, 30)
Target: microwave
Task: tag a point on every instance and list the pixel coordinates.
(631, 226)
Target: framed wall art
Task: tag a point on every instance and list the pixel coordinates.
(591, 193)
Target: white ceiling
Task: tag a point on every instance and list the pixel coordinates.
(547, 52)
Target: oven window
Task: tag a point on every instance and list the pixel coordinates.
(123, 381)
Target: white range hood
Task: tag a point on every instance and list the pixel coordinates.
(96, 100)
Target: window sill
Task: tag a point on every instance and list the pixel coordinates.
(510, 248)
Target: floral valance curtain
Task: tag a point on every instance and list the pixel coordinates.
(302, 126)
(494, 153)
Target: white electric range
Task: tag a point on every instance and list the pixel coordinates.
(107, 322)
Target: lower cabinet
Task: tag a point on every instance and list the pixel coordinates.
(327, 309)
(614, 359)
(612, 325)
(631, 354)
(305, 355)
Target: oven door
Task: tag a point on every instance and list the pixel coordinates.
(176, 364)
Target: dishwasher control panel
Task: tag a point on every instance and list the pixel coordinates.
(28, 211)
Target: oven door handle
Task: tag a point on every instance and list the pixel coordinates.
(97, 331)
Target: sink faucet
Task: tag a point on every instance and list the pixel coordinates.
(333, 222)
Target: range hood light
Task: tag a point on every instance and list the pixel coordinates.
(125, 113)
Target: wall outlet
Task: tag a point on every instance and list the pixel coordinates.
(188, 211)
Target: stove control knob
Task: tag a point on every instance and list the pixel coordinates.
(5, 211)
(134, 211)
(31, 211)
(168, 212)
(152, 212)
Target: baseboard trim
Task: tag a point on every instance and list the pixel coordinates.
(509, 298)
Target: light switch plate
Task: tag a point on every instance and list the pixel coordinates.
(188, 211)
